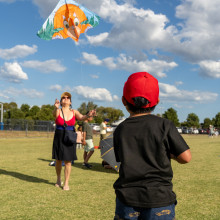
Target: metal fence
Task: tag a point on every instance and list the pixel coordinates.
(27, 125)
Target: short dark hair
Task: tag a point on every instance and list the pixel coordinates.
(138, 103)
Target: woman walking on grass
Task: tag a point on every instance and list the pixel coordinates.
(62, 152)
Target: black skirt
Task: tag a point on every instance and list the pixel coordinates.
(60, 150)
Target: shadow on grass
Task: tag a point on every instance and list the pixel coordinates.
(45, 160)
(97, 167)
(24, 177)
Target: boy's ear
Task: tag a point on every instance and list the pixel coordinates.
(124, 101)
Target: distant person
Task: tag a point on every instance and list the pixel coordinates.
(103, 129)
(79, 137)
(87, 142)
(211, 131)
(145, 145)
(62, 152)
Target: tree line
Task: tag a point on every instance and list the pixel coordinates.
(192, 120)
(44, 113)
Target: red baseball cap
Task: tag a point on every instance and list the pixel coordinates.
(141, 84)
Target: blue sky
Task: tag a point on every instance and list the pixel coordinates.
(176, 41)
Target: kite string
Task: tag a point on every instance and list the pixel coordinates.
(81, 70)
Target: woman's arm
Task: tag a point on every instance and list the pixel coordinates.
(81, 117)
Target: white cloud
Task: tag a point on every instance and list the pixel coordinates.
(155, 67)
(96, 94)
(171, 94)
(19, 51)
(29, 93)
(88, 93)
(45, 66)
(56, 87)
(12, 72)
(91, 59)
(115, 97)
(45, 7)
(94, 76)
(210, 68)
(199, 20)
(2, 95)
(177, 83)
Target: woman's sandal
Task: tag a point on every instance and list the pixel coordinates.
(66, 188)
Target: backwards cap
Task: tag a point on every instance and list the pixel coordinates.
(141, 84)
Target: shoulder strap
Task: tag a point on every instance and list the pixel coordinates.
(63, 117)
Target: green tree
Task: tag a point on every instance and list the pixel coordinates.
(33, 112)
(102, 112)
(25, 108)
(16, 113)
(84, 108)
(192, 120)
(108, 112)
(45, 114)
(171, 114)
(207, 122)
(216, 120)
(9, 106)
(51, 107)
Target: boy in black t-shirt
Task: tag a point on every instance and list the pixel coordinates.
(145, 144)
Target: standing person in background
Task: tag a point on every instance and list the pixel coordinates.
(145, 145)
(211, 131)
(103, 129)
(62, 152)
(79, 137)
(87, 142)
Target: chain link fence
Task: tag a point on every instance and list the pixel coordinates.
(28, 128)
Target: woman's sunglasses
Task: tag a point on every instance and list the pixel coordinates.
(66, 97)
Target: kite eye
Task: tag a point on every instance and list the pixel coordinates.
(76, 21)
(66, 24)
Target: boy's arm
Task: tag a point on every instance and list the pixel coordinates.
(183, 158)
(84, 138)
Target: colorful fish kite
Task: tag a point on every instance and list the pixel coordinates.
(68, 19)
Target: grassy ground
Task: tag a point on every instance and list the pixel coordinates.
(26, 134)
(28, 192)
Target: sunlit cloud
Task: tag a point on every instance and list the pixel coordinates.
(210, 68)
(19, 51)
(123, 62)
(12, 72)
(47, 66)
(170, 93)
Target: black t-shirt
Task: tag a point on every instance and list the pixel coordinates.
(143, 145)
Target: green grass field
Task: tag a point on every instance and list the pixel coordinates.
(28, 192)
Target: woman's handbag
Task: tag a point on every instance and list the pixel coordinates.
(70, 134)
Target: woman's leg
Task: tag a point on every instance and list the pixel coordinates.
(58, 167)
(67, 172)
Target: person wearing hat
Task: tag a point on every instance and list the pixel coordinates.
(103, 129)
(145, 144)
(63, 112)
